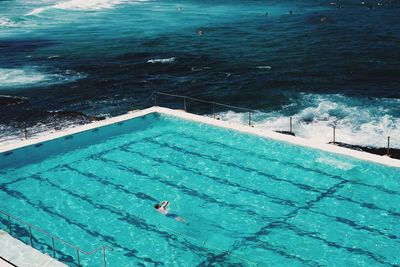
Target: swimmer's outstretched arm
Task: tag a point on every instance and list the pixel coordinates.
(164, 204)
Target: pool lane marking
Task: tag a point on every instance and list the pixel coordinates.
(266, 229)
(221, 181)
(131, 219)
(356, 226)
(167, 162)
(336, 196)
(83, 227)
(106, 182)
(298, 166)
(243, 168)
(127, 217)
(261, 193)
(184, 189)
(128, 168)
(92, 155)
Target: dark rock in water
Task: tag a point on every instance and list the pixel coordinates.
(286, 132)
(76, 115)
(394, 152)
(6, 100)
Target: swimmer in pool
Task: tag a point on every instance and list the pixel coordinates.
(162, 208)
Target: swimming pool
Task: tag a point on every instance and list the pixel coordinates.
(249, 200)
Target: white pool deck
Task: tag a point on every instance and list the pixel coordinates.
(23, 255)
(211, 121)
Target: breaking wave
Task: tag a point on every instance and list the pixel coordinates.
(83, 5)
(6, 22)
(365, 122)
(20, 78)
(162, 60)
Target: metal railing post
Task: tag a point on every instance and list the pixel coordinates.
(54, 248)
(184, 103)
(334, 134)
(213, 103)
(249, 118)
(104, 257)
(290, 126)
(25, 131)
(79, 260)
(9, 225)
(30, 235)
(388, 146)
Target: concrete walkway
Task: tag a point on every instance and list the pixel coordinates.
(22, 255)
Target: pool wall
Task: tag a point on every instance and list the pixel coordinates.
(10, 150)
(56, 143)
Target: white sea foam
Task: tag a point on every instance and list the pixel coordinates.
(264, 67)
(162, 60)
(84, 5)
(88, 4)
(357, 122)
(6, 22)
(37, 11)
(17, 78)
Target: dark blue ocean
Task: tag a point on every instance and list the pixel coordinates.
(321, 62)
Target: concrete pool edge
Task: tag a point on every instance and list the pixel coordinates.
(210, 121)
(22, 255)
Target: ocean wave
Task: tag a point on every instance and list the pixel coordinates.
(84, 5)
(264, 67)
(37, 11)
(6, 22)
(358, 121)
(88, 4)
(19, 78)
(162, 60)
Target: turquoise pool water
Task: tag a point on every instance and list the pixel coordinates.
(249, 200)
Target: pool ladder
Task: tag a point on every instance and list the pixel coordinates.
(54, 238)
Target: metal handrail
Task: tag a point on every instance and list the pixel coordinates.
(204, 101)
(250, 111)
(78, 250)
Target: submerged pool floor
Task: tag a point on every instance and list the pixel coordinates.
(248, 200)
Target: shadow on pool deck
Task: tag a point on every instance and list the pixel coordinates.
(394, 152)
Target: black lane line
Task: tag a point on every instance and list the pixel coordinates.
(123, 167)
(123, 216)
(258, 156)
(358, 251)
(103, 152)
(186, 190)
(95, 234)
(217, 179)
(118, 187)
(298, 166)
(267, 229)
(139, 195)
(264, 231)
(357, 226)
(364, 204)
(367, 205)
(234, 165)
(330, 191)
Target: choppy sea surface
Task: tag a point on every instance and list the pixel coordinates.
(321, 62)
